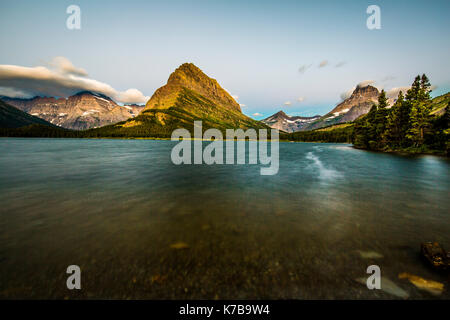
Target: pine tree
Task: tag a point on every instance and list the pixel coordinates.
(425, 89)
(380, 120)
(371, 128)
(420, 122)
(360, 134)
(393, 134)
(413, 93)
(420, 119)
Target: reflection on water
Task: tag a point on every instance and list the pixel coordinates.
(141, 227)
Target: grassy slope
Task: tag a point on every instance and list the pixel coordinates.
(438, 104)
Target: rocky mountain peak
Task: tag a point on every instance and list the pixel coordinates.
(280, 114)
(365, 91)
(190, 77)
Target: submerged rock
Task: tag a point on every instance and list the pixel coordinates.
(388, 286)
(370, 254)
(433, 287)
(179, 245)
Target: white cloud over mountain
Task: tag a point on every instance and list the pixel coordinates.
(390, 93)
(61, 79)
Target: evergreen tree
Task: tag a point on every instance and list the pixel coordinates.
(420, 119)
(425, 89)
(393, 134)
(419, 122)
(371, 128)
(380, 120)
(360, 134)
(413, 93)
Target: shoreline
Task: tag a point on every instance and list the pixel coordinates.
(394, 152)
(406, 153)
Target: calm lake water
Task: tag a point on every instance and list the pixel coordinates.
(140, 227)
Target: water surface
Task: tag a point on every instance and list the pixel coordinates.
(140, 227)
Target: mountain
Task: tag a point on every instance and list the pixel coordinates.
(282, 121)
(83, 110)
(11, 117)
(358, 104)
(188, 76)
(189, 95)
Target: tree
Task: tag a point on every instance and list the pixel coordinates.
(425, 89)
(371, 128)
(413, 93)
(380, 120)
(394, 133)
(420, 119)
(420, 122)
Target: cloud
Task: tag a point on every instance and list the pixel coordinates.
(304, 67)
(60, 79)
(365, 83)
(64, 66)
(257, 114)
(301, 99)
(287, 103)
(393, 93)
(14, 93)
(131, 96)
(323, 63)
(362, 84)
(340, 64)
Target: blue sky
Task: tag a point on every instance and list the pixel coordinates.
(253, 48)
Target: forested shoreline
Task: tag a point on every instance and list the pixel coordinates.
(408, 126)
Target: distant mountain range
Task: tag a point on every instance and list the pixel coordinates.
(81, 111)
(188, 95)
(282, 121)
(358, 104)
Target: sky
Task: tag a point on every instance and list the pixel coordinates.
(301, 57)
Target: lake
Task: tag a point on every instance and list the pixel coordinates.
(141, 227)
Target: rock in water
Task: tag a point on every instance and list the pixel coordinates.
(179, 245)
(370, 254)
(433, 287)
(388, 286)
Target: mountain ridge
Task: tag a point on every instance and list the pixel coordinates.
(11, 117)
(83, 110)
(282, 121)
(358, 104)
